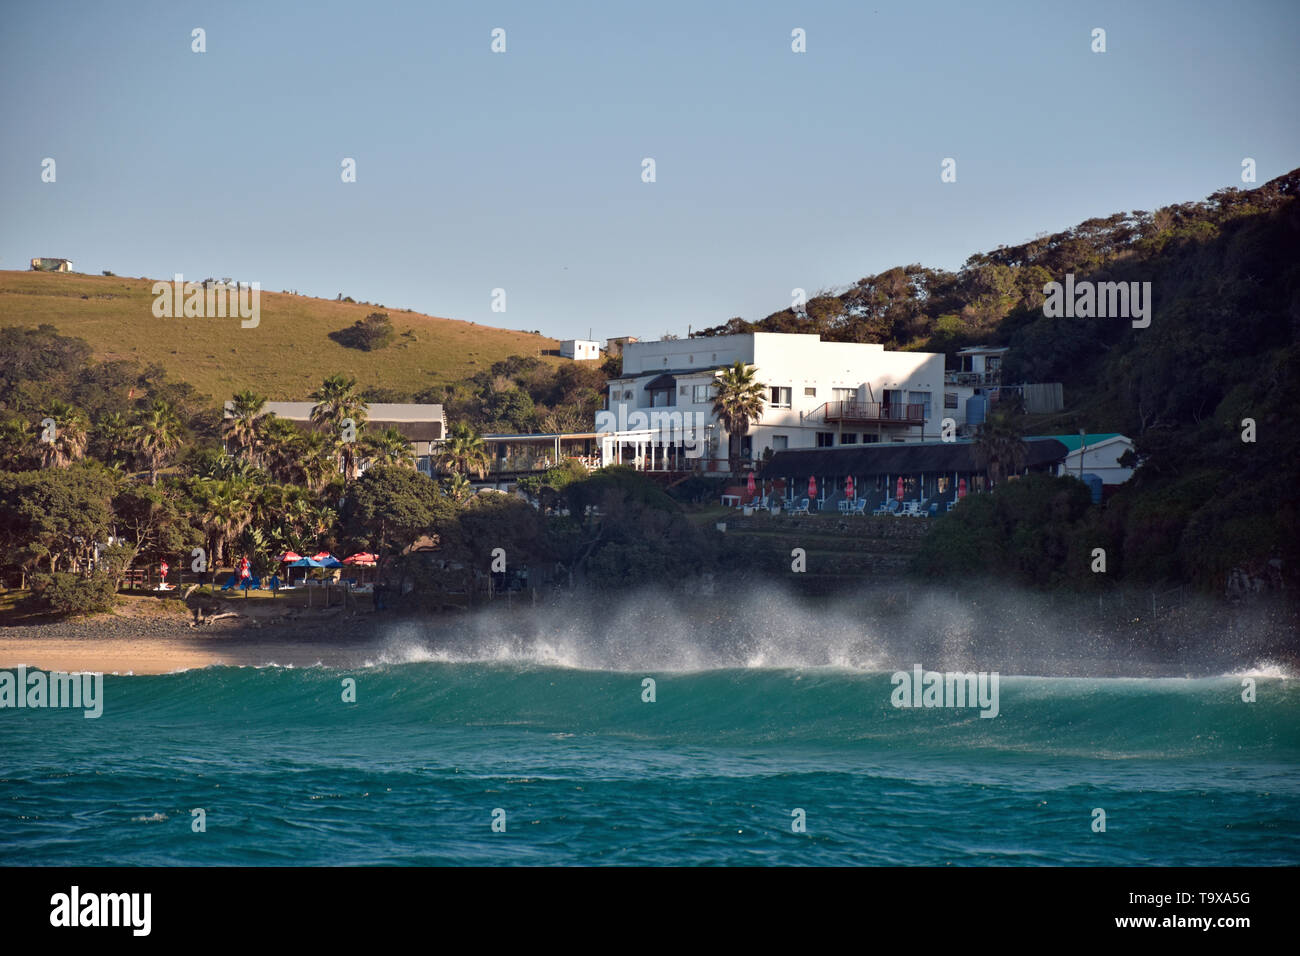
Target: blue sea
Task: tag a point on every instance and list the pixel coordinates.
(575, 767)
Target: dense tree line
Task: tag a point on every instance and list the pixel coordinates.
(1221, 354)
(141, 470)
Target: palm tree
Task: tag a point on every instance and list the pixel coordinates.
(17, 444)
(456, 487)
(315, 461)
(245, 426)
(389, 447)
(281, 443)
(463, 451)
(999, 448)
(114, 436)
(225, 510)
(68, 442)
(336, 400)
(157, 435)
(738, 402)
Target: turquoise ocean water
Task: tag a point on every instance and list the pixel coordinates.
(709, 773)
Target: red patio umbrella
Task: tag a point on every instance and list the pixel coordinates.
(812, 486)
(848, 487)
(961, 488)
(899, 494)
(321, 556)
(290, 556)
(361, 558)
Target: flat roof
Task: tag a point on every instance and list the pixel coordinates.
(898, 458)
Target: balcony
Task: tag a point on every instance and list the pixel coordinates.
(873, 413)
(972, 378)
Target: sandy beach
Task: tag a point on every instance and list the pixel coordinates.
(127, 642)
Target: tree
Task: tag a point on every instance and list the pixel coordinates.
(156, 436)
(246, 425)
(338, 400)
(389, 447)
(154, 522)
(464, 452)
(18, 445)
(57, 514)
(737, 403)
(373, 332)
(388, 507)
(456, 487)
(1000, 448)
(68, 443)
(225, 509)
(113, 437)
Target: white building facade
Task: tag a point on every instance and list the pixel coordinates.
(659, 413)
(581, 350)
(1097, 454)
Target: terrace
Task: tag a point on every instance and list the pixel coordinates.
(873, 413)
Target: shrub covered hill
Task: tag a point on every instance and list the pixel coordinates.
(1221, 348)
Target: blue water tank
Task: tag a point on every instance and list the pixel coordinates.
(1094, 485)
(977, 407)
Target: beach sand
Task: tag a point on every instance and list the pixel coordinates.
(131, 643)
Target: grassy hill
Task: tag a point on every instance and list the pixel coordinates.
(285, 357)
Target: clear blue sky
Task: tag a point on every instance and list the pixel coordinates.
(522, 170)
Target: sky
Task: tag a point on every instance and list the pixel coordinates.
(523, 170)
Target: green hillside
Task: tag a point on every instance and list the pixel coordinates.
(285, 357)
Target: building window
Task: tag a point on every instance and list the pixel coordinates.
(810, 392)
(949, 399)
(628, 393)
(780, 397)
(701, 395)
(825, 439)
(849, 438)
(844, 394)
(780, 442)
(920, 398)
(869, 439)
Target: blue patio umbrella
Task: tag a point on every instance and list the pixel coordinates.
(306, 563)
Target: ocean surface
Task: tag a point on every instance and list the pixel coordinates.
(711, 772)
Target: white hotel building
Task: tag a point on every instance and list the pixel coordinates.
(819, 395)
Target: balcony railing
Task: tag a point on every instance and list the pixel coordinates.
(874, 412)
(972, 378)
